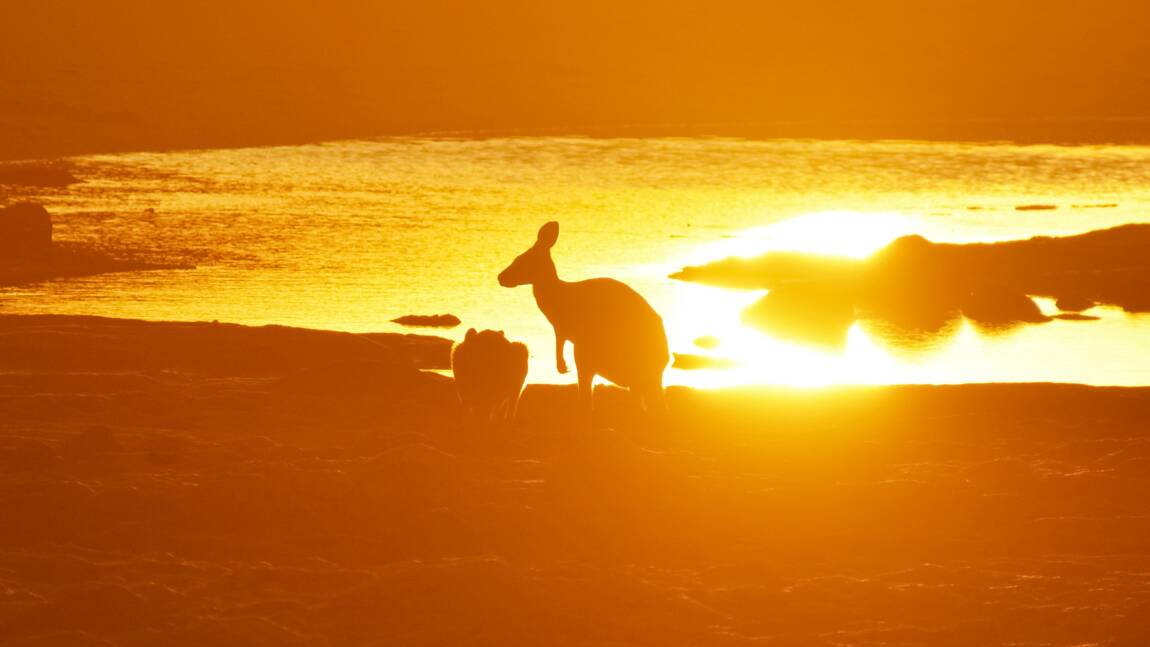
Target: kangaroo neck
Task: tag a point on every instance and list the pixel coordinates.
(547, 279)
(547, 286)
(547, 293)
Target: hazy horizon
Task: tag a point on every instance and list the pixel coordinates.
(128, 75)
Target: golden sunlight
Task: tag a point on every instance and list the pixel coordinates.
(595, 323)
(748, 356)
(837, 233)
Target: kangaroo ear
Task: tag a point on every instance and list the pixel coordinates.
(470, 333)
(548, 234)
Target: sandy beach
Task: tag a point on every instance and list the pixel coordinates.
(191, 484)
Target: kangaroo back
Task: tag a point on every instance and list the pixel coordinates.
(616, 333)
(614, 330)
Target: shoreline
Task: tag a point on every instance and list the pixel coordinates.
(175, 343)
(91, 342)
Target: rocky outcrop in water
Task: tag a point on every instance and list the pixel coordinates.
(29, 255)
(917, 285)
(25, 234)
(33, 174)
(428, 321)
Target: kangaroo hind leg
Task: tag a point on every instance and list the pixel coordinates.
(586, 386)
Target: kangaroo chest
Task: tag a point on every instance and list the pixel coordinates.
(573, 315)
(551, 305)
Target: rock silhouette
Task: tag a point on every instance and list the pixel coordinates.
(28, 253)
(428, 321)
(25, 234)
(819, 314)
(51, 174)
(918, 285)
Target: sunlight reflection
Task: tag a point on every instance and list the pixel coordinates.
(874, 352)
(700, 310)
(838, 233)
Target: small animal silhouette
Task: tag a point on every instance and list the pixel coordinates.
(614, 331)
(489, 374)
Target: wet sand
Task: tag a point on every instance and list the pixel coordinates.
(191, 484)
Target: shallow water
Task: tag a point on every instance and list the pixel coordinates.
(349, 235)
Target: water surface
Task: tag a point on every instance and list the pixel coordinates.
(348, 235)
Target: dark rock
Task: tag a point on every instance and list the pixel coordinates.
(1001, 306)
(915, 285)
(1035, 207)
(428, 321)
(25, 234)
(1074, 303)
(910, 305)
(769, 271)
(1074, 316)
(53, 174)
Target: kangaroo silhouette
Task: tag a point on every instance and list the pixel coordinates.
(614, 331)
(489, 374)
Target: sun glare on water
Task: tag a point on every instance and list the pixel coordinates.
(752, 357)
(834, 233)
(872, 353)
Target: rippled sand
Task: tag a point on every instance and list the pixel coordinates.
(183, 495)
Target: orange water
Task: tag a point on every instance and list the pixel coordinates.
(348, 235)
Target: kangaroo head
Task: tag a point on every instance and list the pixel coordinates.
(535, 264)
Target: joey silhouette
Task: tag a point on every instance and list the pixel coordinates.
(614, 331)
(489, 373)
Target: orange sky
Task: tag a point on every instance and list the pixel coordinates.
(82, 75)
